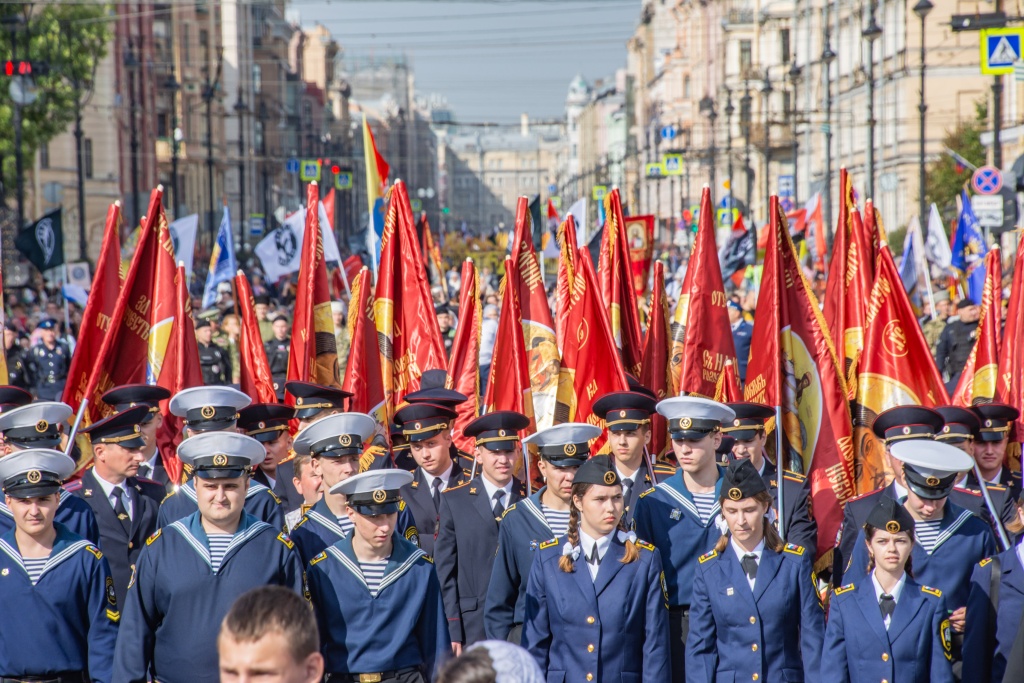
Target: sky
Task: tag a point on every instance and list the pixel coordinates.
(492, 59)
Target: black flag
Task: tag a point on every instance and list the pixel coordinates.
(42, 243)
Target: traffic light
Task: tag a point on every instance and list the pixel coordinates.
(17, 68)
(446, 210)
(335, 169)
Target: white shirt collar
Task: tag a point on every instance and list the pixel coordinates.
(445, 476)
(995, 479)
(491, 488)
(896, 590)
(108, 488)
(587, 547)
(152, 462)
(740, 552)
(623, 476)
(901, 491)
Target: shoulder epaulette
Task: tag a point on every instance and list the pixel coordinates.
(461, 485)
(648, 491)
(793, 549)
(664, 468)
(167, 497)
(274, 496)
(707, 556)
(283, 537)
(931, 591)
(509, 509)
(794, 476)
(428, 558)
(549, 544)
(156, 535)
(301, 521)
(984, 562)
(73, 485)
(288, 458)
(401, 503)
(645, 545)
(843, 589)
(969, 492)
(318, 558)
(95, 551)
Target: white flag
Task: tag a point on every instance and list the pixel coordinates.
(579, 213)
(936, 244)
(280, 252)
(183, 235)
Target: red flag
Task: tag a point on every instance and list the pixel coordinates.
(896, 369)
(328, 202)
(409, 337)
(352, 266)
(180, 371)
(728, 388)
(362, 371)
(255, 377)
(432, 256)
(795, 369)
(617, 285)
(835, 285)
(654, 370)
(591, 366)
(106, 285)
(567, 269)
(701, 333)
(640, 240)
(313, 356)
(980, 374)
(538, 327)
(1010, 387)
(464, 365)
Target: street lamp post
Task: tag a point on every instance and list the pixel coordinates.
(747, 115)
(173, 87)
(766, 91)
(707, 108)
(827, 57)
(240, 109)
(794, 79)
(921, 9)
(729, 111)
(871, 33)
(131, 63)
(209, 92)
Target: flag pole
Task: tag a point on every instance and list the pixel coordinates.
(780, 460)
(64, 295)
(74, 428)
(992, 509)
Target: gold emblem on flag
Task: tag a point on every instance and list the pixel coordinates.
(379, 496)
(735, 493)
(932, 481)
(34, 476)
(892, 527)
(208, 412)
(42, 426)
(609, 478)
(345, 440)
(220, 460)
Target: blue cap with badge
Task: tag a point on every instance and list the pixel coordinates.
(36, 425)
(625, 411)
(131, 395)
(335, 436)
(265, 422)
(13, 397)
(120, 429)
(374, 493)
(34, 472)
(498, 431)
(209, 409)
(691, 418)
(311, 399)
(565, 445)
(221, 455)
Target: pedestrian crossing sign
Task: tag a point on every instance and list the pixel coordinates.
(1000, 49)
(673, 164)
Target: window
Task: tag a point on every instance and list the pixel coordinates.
(745, 111)
(204, 38)
(87, 156)
(185, 53)
(163, 129)
(44, 156)
(257, 79)
(787, 104)
(686, 88)
(784, 44)
(746, 57)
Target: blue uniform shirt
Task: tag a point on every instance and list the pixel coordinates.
(319, 528)
(67, 621)
(403, 626)
(986, 649)
(613, 627)
(260, 502)
(667, 517)
(72, 512)
(914, 649)
(176, 601)
(773, 631)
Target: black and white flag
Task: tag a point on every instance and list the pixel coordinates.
(42, 243)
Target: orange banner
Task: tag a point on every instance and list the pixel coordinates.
(1010, 387)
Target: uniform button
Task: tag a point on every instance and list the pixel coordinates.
(753, 620)
(754, 677)
(590, 648)
(753, 648)
(590, 677)
(885, 656)
(130, 545)
(590, 620)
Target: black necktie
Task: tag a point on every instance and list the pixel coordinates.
(499, 507)
(120, 510)
(749, 563)
(437, 493)
(627, 486)
(594, 559)
(887, 604)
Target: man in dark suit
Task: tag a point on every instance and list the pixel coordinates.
(428, 427)
(742, 333)
(125, 506)
(268, 424)
(469, 516)
(129, 396)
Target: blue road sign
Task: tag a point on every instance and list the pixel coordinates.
(987, 180)
(292, 166)
(786, 186)
(552, 189)
(1000, 48)
(668, 132)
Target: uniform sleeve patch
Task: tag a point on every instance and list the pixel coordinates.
(647, 492)
(509, 509)
(413, 535)
(95, 551)
(156, 535)
(549, 544)
(274, 496)
(946, 633)
(793, 476)
(707, 556)
(319, 558)
(283, 537)
(931, 591)
(108, 588)
(844, 589)
(984, 562)
(793, 549)
(429, 559)
(645, 545)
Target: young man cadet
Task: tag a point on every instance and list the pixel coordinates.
(678, 515)
(470, 515)
(335, 444)
(125, 506)
(268, 424)
(129, 396)
(530, 522)
(190, 572)
(428, 427)
(37, 425)
(627, 415)
(211, 410)
(748, 432)
(60, 608)
(990, 443)
(376, 595)
(433, 389)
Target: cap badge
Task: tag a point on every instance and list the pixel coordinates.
(569, 449)
(417, 425)
(132, 404)
(261, 425)
(208, 412)
(345, 440)
(906, 430)
(34, 476)
(220, 460)
(735, 493)
(501, 432)
(685, 423)
(892, 527)
(609, 478)
(945, 430)
(988, 423)
(42, 426)
(932, 481)
(736, 423)
(298, 401)
(622, 413)
(379, 496)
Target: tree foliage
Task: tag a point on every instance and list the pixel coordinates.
(945, 179)
(71, 39)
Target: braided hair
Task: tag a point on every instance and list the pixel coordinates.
(566, 562)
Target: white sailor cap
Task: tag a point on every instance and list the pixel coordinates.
(34, 472)
(221, 455)
(36, 425)
(565, 445)
(375, 492)
(931, 468)
(691, 418)
(335, 435)
(208, 409)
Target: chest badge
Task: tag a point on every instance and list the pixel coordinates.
(5, 571)
(676, 513)
(729, 591)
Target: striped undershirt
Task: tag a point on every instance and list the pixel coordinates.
(704, 502)
(373, 574)
(218, 547)
(558, 520)
(927, 534)
(34, 567)
(346, 524)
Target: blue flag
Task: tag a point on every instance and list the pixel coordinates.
(910, 273)
(223, 265)
(969, 250)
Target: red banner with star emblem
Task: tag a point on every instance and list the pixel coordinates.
(362, 368)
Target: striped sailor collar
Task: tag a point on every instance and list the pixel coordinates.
(404, 555)
(953, 517)
(191, 529)
(189, 489)
(675, 488)
(321, 514)
(65, 546)
(532, 505)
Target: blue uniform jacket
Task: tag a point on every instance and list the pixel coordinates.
(773, 632)
(260, 502)
(859, 649)
(964, 541)
(985, 651)
(72, 512)
(67, 621)
(176, 602)
(613, 627)
(403, 626)
(318, 529)
(667, 517)
(523, 528)
(801, 528)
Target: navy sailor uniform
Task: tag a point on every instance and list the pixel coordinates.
(319, 528)
(260, 502)
(67, 621)
(176, 601)
(613, 627)
(72, 512)
(402, 626)
(772, 632)
(989, 639)
(915, 648)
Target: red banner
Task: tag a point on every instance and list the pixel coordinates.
(728, 388)
(567, 268)
(432, 256)
(362, 370)
(1010, 387)
(254, 378)
(617, 291)
(981, 372)
(464, 365)
(654, 371)
(640, 239)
